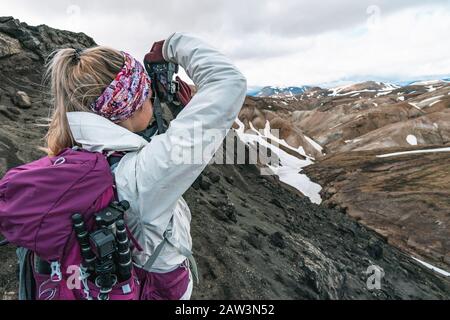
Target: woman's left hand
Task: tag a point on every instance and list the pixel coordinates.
(184, 93)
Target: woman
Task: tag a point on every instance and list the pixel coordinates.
(103, 98)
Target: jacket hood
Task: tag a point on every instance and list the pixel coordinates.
(97, 134)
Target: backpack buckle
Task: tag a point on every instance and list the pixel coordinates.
(56, 275)
(84, 276)
(60, 161)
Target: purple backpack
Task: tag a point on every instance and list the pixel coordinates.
(37, 202)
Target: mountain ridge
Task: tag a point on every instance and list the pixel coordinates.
(268, 91)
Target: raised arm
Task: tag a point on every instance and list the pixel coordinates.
(159, 174)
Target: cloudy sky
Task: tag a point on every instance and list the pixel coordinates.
(282, 42)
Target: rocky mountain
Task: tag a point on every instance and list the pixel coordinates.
(404, 197)
(23, 98)
(349, 133)
(255, 236)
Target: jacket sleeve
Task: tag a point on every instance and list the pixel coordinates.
(164, 169)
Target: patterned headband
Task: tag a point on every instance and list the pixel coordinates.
(126, 94)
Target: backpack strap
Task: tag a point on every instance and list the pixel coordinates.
(190, 256)
(113, 160)
(27, 285)
(181, 249)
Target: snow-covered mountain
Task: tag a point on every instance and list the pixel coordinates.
(277, 92)
(252, 91)
(346, 89)
(365, 87)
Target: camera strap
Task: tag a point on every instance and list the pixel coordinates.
(157, 110)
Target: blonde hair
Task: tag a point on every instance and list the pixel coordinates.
(77, 79)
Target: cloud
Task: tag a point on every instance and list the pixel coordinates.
(288, 42)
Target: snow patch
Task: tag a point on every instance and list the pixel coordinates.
(414, 105)
(290, 168)
(426, 103)
(335, 91)
(340, 124)
(316, 146)
(384, 93)
(268, 134)
(390, 86)
(425, 83)
(432, 104)
(353, 141)
(401, 98)
(386, 89)
(436, 269)
(412, 140)
(354, 93)
(414, 152)
(432, 99)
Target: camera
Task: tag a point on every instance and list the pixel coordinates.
(165, 89)
(162, 74)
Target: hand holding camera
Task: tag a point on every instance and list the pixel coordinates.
(162, 72)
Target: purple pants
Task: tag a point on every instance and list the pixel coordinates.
(163, 286)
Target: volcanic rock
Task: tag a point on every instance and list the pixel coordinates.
(22, 100)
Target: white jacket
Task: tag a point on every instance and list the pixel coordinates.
(148, 176)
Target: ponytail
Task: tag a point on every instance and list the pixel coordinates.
(77, 78)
